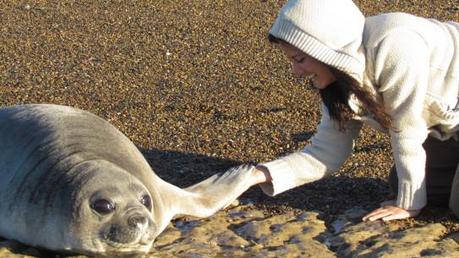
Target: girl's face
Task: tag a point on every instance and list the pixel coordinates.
(304, 65)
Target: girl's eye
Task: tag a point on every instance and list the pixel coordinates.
(299, 61)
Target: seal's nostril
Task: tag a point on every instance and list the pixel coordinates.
(137, 221)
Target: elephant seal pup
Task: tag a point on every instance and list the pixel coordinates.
(72, 182)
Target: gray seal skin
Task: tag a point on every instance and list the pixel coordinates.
(72, 182)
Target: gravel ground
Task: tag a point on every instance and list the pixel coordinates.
(195, 85)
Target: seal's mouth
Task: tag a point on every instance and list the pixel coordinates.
(116, 248)
(122, 239)
(134, 244)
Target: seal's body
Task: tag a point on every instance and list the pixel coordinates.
(70, 181)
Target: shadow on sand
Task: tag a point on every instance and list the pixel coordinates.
(331, 195)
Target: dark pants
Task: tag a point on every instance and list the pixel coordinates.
(442, 173)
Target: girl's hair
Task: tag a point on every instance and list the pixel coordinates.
(336, 98)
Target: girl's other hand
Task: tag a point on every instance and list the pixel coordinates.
(389, 211)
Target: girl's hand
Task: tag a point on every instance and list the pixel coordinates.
(389, 211)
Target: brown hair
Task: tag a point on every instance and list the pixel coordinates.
(336, 97)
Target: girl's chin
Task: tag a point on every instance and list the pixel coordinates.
(318, 84)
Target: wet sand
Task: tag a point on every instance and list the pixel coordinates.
(197, 87)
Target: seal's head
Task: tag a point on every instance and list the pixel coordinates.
(111, 212)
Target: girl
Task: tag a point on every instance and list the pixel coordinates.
(396, 72)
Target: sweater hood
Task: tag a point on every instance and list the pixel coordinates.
(328, 30)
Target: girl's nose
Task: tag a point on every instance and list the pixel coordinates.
(297, 70)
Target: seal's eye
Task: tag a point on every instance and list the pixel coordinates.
(103, 206)
(146, 201)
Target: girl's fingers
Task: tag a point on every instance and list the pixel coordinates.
(389, 212)
(376, 214)
(397, 215)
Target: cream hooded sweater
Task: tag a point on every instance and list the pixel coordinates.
(409, 63)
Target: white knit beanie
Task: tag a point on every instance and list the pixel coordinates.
(328, 30)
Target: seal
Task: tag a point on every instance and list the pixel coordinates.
(72, 182)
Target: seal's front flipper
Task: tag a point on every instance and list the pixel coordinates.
(216, 192)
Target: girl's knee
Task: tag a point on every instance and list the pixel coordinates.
(454, 206)
(454, 197)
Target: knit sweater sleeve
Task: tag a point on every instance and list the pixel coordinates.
(401, 70)
(327, 152)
